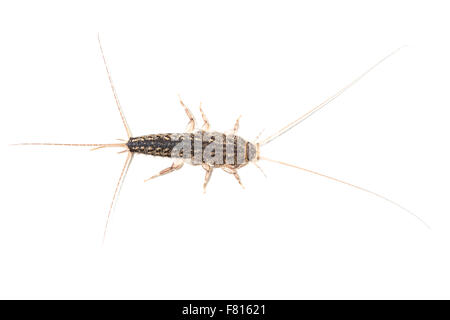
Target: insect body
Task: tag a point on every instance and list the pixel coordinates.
(215, 149)
(210, 149)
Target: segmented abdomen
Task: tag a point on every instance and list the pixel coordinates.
(201, 147)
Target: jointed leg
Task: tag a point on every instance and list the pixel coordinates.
(176, 165)
(236, 125)
(205, 120)
(191, 124)
(259, 135)
(209, 171)
(257, 165)
(235, 174)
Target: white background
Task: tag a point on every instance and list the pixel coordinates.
(292, 235)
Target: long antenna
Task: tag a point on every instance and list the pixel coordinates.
(351, 185)
(324, 103)
(122, 115)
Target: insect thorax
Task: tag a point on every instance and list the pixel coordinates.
(201, 147)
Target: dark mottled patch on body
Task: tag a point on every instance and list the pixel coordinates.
(213, 148)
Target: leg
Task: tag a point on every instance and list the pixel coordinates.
(234, 173)
(236, 125)
(259, 135)
(176, 165)
(256, 164)
(205, 120)
(209, 171)
(191, 124)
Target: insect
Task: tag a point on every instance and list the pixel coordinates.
(209, 149)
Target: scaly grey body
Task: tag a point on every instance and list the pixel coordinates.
(214, 149)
